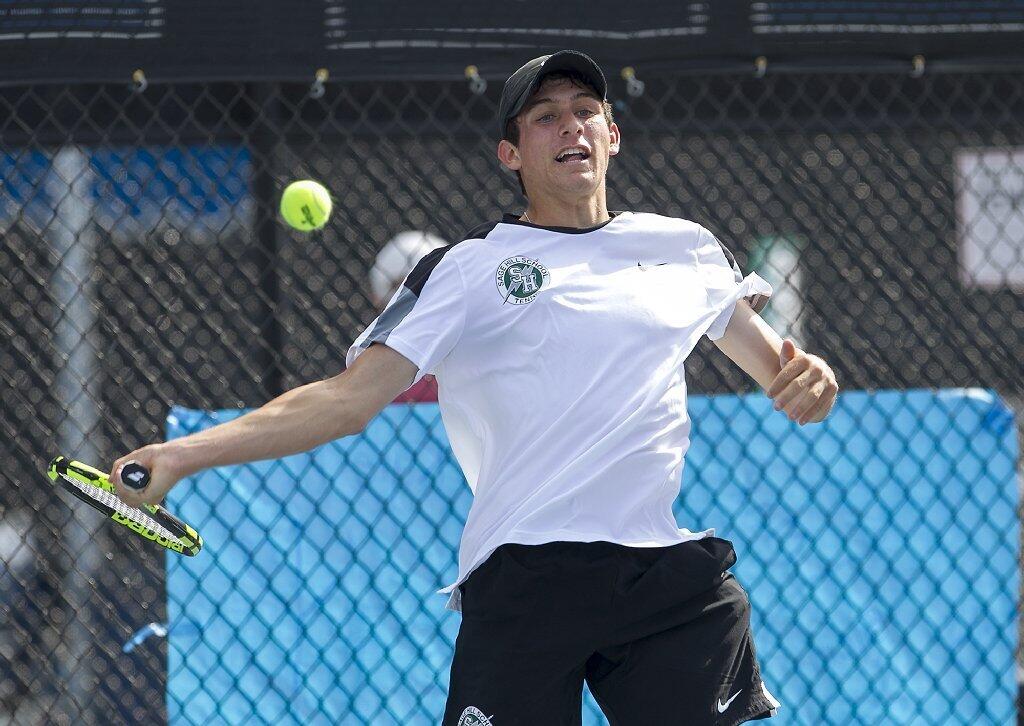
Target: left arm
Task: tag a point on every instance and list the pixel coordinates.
(802, 385)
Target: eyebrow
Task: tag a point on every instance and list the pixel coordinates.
(538, 101)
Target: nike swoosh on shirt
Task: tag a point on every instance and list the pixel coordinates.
(723, 706)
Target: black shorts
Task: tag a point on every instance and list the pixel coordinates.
(660, 635)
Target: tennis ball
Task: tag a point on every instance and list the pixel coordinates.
(305, 205)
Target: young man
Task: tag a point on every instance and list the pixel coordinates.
(558, 339)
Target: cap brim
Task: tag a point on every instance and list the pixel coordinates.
(570, 60)
(564, 60)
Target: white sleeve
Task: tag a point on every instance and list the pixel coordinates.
(425, 318)
(725, 283)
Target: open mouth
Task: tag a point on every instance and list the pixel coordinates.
(573, 155)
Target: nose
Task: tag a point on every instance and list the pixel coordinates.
(572, 126)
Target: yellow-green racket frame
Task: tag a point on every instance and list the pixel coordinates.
(186, 540)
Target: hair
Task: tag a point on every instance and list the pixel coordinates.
(512, 125)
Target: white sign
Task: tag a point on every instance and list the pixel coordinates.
(990, 217)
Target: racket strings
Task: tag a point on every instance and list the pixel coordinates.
(136, 515)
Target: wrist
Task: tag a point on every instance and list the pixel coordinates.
(177, 458)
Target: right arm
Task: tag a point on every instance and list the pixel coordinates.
(296, 421)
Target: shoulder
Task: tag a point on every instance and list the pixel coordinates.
(689, 232)
(700, 234)
(438, 261)
(678, 231)
(650, 220)
(480, 231)
(447, 260)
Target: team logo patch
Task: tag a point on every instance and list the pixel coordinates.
(520, 279)
(473, 716)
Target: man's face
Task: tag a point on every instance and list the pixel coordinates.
(564, 141)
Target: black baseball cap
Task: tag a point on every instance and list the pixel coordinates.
(522, 84)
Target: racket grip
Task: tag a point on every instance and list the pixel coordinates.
(135, 475)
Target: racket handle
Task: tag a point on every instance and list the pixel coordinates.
(135, 475)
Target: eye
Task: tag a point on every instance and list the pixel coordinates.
(586, 112)
(546, 117)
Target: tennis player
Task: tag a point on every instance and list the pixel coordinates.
(558, 337)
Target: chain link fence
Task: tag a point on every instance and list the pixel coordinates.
(143, 267)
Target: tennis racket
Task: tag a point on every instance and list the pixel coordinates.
(150, 521)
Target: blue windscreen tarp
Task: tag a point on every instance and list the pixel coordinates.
(879, 549)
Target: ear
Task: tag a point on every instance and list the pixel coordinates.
(508, 155)
(615, 139)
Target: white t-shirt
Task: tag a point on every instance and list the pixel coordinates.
(559, 359)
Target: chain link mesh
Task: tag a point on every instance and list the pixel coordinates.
(143, 266)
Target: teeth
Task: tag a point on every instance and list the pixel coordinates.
(571, 152)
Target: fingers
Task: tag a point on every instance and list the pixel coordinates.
(147, 456)
(807, 402)
(788, 352)
(824, 404)
(130, 496)
(115, 473)
(804, 390)
(786, 376)
(792, 391)
(799, 397)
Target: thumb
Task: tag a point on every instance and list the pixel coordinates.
(788, 352)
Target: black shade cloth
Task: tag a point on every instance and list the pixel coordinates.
(45, 41)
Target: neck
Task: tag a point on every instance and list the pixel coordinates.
(549, 212)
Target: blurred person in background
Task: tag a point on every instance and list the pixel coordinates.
(20, 618)
(393, 264)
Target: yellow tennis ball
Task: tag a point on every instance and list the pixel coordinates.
(305, 205)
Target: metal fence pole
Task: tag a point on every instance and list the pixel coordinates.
(73, 242)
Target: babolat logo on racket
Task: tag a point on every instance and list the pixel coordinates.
(135, 477)
(520, 279)
(146, 532)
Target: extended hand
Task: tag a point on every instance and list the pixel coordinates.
(805, 389)
(162, 475)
